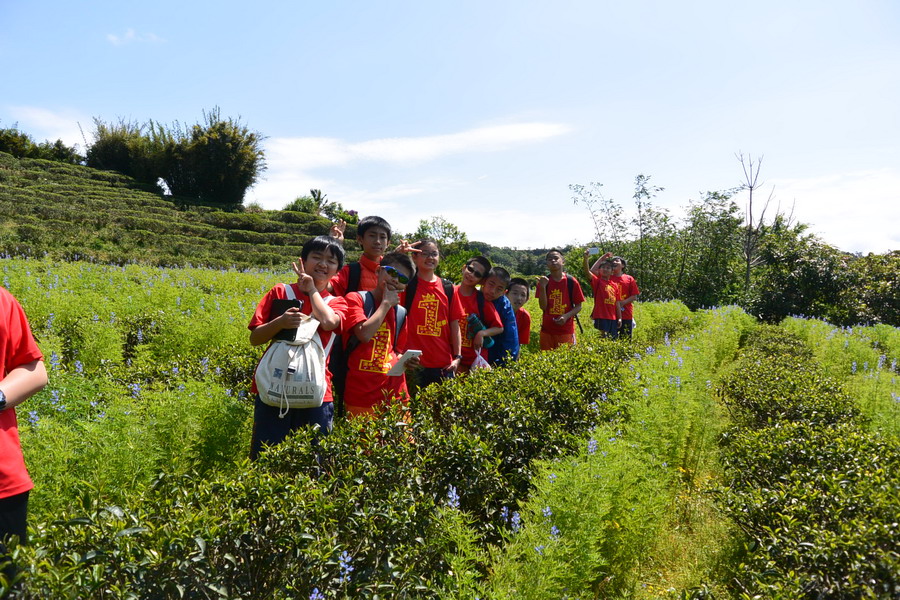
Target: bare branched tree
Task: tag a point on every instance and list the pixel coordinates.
(754, 227)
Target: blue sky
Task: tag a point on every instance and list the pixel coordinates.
(485, 112)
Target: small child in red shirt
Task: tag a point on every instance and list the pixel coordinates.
(560, 297)
(518, 296)
(22, 374)
(607, 313)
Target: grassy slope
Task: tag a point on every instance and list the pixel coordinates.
(70, 211)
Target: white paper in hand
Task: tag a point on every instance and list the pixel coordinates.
(400, 366)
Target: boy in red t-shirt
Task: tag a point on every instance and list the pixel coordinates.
(22, 374)
(320, 259)
(379, 341)
(474, 303)
(560, 306)
(607, 315)
(373, 234)
(628, 293)
(518, 296)
(433, 319)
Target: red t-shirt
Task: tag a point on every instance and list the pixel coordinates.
(523, 323)
(261, 317)
(606, 293)
(428, 323)
(368, 364)
(559, 303)
(17, 348)
(368, 277)
(628, 287)
(491, 319)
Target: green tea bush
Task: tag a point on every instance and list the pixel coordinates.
(865, 360)
(775, 380)
(594, 524)
(814, 491)
(375, 495)
(821, 504)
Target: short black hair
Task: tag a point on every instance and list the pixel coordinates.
(501, 274)
(481, 261)
(552, 250)
(367, 223)
(522, 282)
(324, 243)
(399, 259)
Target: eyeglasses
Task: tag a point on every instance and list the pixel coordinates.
(472, 270)
(395, 273)
(429, 254)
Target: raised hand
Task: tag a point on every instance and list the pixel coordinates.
(337, 230)
(408, 247)
(304, 280)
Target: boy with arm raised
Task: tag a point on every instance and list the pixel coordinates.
(320, 259)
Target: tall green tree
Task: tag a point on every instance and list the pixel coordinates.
(709, 261)
(798, 274)
(226, 158)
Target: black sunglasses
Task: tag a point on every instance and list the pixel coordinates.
(472, 270)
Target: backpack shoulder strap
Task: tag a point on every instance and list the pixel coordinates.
(354, 277)
(448, 289)
(327, 347)
(411, 292)
(289, 291)
(479, 298)
(570, 282)
(399, 319)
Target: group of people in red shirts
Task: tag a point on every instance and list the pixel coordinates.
(393, 302)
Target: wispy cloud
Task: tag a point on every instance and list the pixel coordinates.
(293, 162)
(42, 123)
(131, 36)
(311, 153)
(846, 209)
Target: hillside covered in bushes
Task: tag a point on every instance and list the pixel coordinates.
(70, 212)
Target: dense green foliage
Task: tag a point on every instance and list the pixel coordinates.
(19, 144)
(215, 161)
(703, 260)
(137, 449)
(811, 487)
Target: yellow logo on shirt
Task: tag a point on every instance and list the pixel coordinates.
(431, 326)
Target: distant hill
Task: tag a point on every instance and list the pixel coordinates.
(75, 212)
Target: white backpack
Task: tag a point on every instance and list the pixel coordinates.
(291, 374)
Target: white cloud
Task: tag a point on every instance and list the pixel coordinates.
(857, 211)
(131, 36)
(293, 162)
(313, 153)
(41, 124)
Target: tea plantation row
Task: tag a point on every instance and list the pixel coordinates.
(814, 488)
(70, 211)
